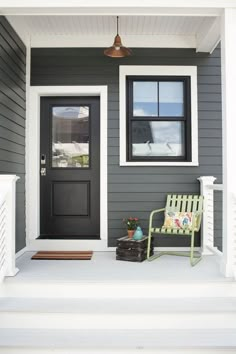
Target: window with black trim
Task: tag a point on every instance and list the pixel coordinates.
(158, 118)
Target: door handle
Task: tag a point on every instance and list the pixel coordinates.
(43, 171)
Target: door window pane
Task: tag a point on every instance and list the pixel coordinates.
(157, 138)
(70, 137)
(171, 99)
(145, 98)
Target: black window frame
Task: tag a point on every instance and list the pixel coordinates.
(186, 118)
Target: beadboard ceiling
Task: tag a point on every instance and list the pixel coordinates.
(103, 25)
(103, 28)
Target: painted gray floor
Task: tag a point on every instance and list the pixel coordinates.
(105, 268)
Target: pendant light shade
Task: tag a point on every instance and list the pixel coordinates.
(117, 50)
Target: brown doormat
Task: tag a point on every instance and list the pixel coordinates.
(63, 255)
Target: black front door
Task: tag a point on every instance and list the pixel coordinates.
(70, 167)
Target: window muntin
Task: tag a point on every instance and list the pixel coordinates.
(158, 119)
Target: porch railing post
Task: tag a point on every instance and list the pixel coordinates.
(8, 186)
(11, 226)
(207, 229)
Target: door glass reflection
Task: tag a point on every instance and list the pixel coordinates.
(70, 137)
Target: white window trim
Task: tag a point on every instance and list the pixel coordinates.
(155, 71)
(33, 166)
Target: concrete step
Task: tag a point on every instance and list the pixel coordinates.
(121, 306)
(117, 290)
(118, 341)
(118, 314)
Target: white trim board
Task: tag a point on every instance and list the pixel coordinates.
(142, 70)
(102, 41)
(79, 245)
(21, 252)
(68, 245)
(116, 7)
(33, 167)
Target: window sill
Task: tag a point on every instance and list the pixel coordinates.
(160, 163)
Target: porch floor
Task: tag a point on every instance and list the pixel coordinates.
(123, 306)
(105, 268)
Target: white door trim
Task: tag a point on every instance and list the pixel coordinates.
(33, 167)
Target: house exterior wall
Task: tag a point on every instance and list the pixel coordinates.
(135, 191)
(12, 117)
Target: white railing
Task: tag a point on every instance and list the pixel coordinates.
(228, 253)
(7, 225)
(207, 231)
(234, 235)
(3, 262)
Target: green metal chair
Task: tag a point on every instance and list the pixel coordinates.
(178, 203)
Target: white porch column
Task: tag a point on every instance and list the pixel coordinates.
(228, 53)
(207, 229)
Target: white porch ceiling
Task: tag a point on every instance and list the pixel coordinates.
(102, 25)
(136, 31)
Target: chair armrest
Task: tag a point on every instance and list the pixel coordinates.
(153, 213)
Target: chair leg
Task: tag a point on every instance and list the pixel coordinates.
(149, 244)
(154, 256)
(193, 260)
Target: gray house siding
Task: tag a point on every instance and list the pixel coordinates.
(135, 191)
(12, 117)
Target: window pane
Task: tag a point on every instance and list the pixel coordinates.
(145, 98)
(70, 137)
(157, 138)
(171, 99)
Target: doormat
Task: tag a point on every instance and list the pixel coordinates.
(63, 255)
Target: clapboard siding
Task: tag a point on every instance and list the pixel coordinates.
(135, 191)
(11, 126)
(12, 117)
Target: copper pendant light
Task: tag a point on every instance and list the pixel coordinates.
(117, 50)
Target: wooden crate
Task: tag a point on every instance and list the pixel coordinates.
(131, 250)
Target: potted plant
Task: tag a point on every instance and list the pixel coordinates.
(131, 224)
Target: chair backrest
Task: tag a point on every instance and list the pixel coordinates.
(186, 203)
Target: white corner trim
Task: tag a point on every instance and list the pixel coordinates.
(27, 150)
(156, 70)
(33, 153)
(21, 252)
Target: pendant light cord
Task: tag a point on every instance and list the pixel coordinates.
(117, 24)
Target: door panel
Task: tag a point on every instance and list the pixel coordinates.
(70, 155)
(71, 198)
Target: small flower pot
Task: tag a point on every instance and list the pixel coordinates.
(130, 233)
